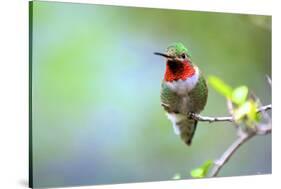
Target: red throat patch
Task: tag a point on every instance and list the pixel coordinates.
(180, 70)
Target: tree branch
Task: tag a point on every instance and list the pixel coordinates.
(210, 119)
(222, 119)
(269, 80)
(243, 135)
(263, 129)
(245, 130)
(264, 108)
(229, 152)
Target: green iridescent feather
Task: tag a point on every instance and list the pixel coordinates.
(177, 49)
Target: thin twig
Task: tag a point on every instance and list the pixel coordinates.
(229, 152)
(222, 119)
(263, 129)
(210, 119)
(262, 110)
(229, 106)
(265, 108)
(230, 109)
(268, 80)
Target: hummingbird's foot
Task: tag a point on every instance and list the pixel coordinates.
(192, 115)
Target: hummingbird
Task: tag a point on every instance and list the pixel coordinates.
(183, 90)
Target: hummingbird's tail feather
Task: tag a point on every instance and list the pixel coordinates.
(187, 129)
(183, 126)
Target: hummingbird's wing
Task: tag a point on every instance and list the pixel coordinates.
(199, 95)
(169, 99)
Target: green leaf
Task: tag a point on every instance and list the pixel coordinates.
(197, 173)
(220, 86)
(207, 165)
(252, 114)
(177, 176)
(249, 109)
(239, 95)
(202, 171)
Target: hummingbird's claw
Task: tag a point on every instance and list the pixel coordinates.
(191, 115)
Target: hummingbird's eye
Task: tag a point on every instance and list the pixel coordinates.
(183, 56)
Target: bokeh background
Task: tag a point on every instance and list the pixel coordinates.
(96, 108)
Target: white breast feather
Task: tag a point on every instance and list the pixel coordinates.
(174, 118)
(184, 86)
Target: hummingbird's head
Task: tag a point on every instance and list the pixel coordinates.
(178, 62)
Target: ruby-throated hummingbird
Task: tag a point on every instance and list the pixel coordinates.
(184, 90)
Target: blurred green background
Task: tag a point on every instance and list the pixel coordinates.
(97, 117)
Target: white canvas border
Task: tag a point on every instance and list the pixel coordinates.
(14, 91)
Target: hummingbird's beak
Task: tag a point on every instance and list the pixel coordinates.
(164, 55)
